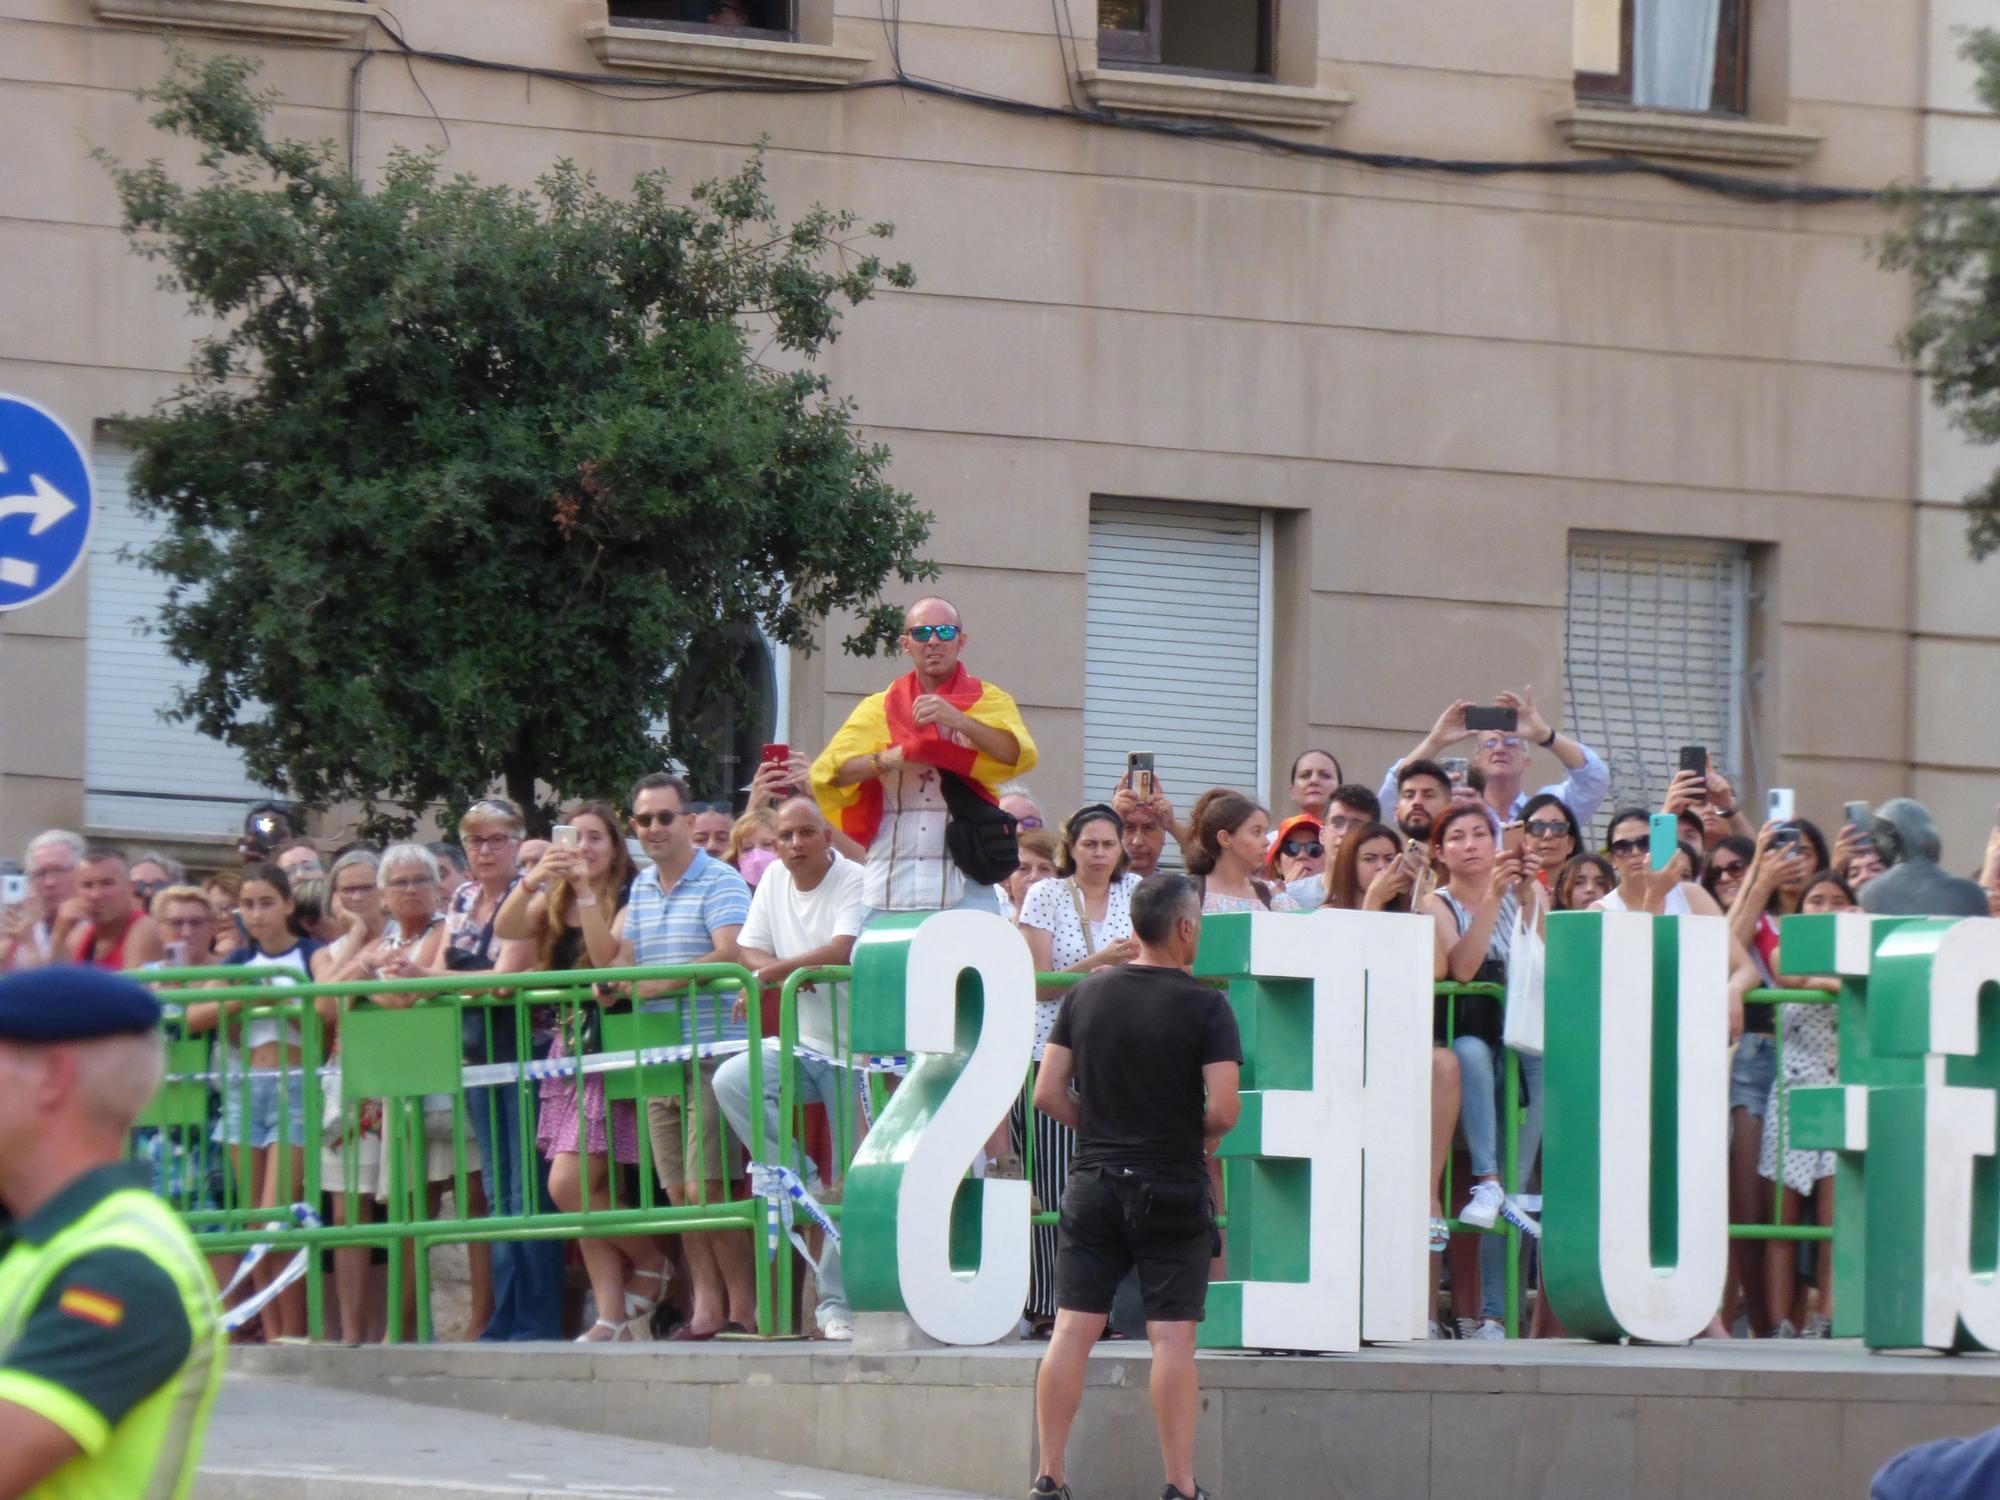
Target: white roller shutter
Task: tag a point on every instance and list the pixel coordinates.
(141, 772)
(1654, 657)
(1176, 646)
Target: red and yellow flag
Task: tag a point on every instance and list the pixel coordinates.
(888, 718)
(100, 1308)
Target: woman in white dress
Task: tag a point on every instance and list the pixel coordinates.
(1077, 923)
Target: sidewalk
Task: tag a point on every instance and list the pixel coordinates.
(276, 1439)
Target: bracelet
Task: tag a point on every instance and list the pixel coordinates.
(535, 888)
(1725, 812)
(589, 898)
(1544, 744)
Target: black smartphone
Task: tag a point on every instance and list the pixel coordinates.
(1695, 758)
(1505, 719)
(1139, 773)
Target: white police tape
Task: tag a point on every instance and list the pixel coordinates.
(235, 1317)
(784, 1195)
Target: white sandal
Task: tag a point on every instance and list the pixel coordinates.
(621, 1333)
(640, 1309)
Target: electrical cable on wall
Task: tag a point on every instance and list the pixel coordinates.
(1721, 184)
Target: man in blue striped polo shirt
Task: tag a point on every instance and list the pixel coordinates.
(687, 907)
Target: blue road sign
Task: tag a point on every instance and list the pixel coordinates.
(45, 503)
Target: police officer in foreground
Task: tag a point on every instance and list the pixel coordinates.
(110, 1349)
(1155, 1057)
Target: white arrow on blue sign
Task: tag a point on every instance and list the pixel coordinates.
(45, 503)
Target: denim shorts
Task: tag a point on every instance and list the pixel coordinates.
(263, 1102)
(1753, 1072)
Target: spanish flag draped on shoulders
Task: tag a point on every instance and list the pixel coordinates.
(900, 817)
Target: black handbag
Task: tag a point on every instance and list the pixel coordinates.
(978, 836)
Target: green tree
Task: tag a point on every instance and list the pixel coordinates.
(1950, 243)
(472, 483)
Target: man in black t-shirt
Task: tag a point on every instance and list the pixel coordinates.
(1154, 1056)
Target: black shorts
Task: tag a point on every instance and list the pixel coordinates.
(1114, 1219)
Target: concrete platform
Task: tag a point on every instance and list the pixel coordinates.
(1446, 1420)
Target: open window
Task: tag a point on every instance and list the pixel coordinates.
(764, 20)
(1227, 38)
(1688, 55)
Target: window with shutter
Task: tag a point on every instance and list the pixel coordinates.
(141, 772)
(1654, 657)
(1176, 647)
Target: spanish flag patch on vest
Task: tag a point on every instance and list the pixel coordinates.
(93, 1307)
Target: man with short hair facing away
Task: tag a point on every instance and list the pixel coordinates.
(806, 913)
(688, 908)
(34, 932)
(110, 1346)
(880, 780)
(1501, 760)
(1155, 1058)
(116, 934)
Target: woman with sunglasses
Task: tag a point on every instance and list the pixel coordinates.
(1297, 861)
(1550, 831)
(1077, 923)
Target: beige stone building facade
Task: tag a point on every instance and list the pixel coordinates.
(1233, 450)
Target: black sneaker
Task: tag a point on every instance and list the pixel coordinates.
(1169, 1492)
(1045, 1488)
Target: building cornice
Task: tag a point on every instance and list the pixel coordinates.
(336, 21)
(1192, 96)
(1656, 132)
(711, 56)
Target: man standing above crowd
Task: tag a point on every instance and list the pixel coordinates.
(1155, 1058)
(115, 933)
(881, 779)
(35, 931)
(1502, 759)
(806, 914)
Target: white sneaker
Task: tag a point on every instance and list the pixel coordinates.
(1436, 1332)
(1784, 1330)
(1484, 1207)
(837, 1329)
(1466, 1328)
(1490, 1328)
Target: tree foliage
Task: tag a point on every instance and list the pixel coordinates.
(1950, 243)
(472, 483)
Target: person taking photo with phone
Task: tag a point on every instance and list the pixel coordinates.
(1508, 734)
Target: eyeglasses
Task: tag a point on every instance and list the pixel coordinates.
(922, 634)
(185, 924)
(356, 890)
(664, 819)
(1031, 821)
(1310, 849)
(1626, 848)
(147, 887)
(1500, 741)
(410, 883)
(1718, 870)
(1339, 823)
(1554, 828)
(488, 840)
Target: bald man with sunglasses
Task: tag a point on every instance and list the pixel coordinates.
(881, 780)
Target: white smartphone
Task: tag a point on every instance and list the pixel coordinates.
(564, 835)
(1778, 805)
(177, 955)
(13, 890)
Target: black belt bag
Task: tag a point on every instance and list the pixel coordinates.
(1171, 1209)
(978, 836)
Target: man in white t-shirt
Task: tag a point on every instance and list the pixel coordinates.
(807, 912)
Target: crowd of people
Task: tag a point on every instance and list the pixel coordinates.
(918, 804)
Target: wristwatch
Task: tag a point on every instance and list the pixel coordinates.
(1544, 744)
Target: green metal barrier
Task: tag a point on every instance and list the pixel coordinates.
(400, 1042)
(1777, 1229)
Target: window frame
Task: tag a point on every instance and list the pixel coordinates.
(1730, 97)
(708, 28)
(1140, 50)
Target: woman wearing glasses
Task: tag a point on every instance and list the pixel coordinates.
(1077, 923)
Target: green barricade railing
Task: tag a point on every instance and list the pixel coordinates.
(400, 1044)
(1777, 1229)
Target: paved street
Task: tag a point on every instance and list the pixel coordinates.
(275, 1439)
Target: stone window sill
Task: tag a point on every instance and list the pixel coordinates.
(1188, 96)
(339, 21)
(1653, 132)
(718, 56)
